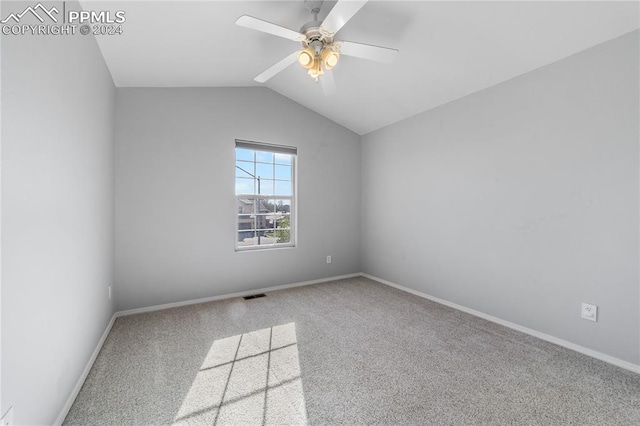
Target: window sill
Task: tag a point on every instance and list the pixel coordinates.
(263, 248)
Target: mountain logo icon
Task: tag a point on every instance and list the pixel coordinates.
(38, 11)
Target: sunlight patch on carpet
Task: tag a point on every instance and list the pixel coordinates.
(250, 379)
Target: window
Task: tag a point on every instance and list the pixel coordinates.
(265, 202)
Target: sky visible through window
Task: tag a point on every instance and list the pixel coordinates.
(273, 171)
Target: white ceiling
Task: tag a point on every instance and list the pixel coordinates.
(447, 49)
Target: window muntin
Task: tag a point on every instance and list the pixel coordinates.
(265, 190)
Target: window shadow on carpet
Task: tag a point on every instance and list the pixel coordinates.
(250, 378)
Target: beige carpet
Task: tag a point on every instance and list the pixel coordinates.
(347, 352)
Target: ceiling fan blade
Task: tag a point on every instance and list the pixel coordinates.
(328, 83)
(269, 28)
(340, 15)
(275, 69)
(367, 51)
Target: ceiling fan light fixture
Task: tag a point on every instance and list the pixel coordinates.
(306, 58)
(320, 51)
(329, 57)
(316, 71)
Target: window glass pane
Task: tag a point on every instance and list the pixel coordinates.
(246, 216)
(245, 206)
(245, 186)
(244, 154)
(271, 220)
(268, 239)
(264, 157)
(283, 172)
(283, 159)
(266, 187)
(284, 237)
(246, 238)
(283, 234)
(244, 169)
(270, 205)
(283, 206)
(245, 225)
(264, 171)
(283, 188)
(262, 222)
(283, 221)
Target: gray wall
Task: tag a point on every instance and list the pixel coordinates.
(175, 205)
(520, 201)
(57, 217)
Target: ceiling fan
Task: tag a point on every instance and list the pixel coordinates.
(320, 51)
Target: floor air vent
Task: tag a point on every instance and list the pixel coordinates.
(254, 296)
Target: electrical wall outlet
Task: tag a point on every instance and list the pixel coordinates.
(589, 312)
(329, 259)
(7, 418)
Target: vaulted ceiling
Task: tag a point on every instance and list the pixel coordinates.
(447, 49)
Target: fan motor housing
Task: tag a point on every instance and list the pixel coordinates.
(312, 32)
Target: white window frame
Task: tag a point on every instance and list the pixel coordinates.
(274, 149)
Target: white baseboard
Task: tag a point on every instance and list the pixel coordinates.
(231, 295)
(560, 342)
(85, 373)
